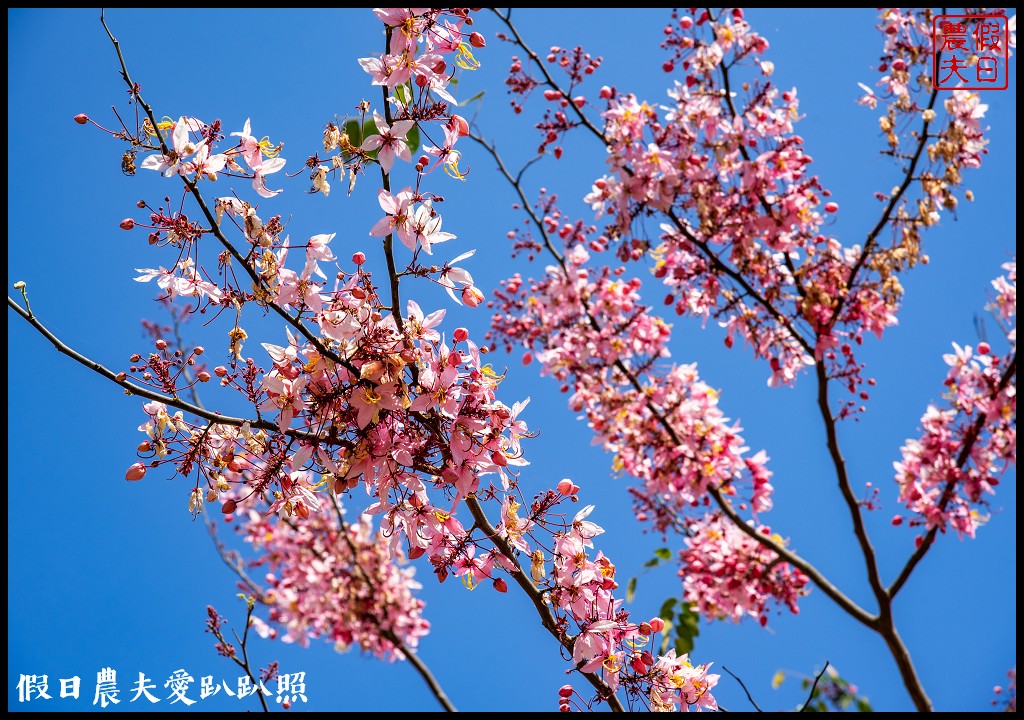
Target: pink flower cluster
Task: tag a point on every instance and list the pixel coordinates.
(347, 590)
(259, 155)
(727, 574)
(965, 447)
(588, 326)
(743, 239)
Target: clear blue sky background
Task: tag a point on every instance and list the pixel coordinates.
(108, 573)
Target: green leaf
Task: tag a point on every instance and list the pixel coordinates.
(402, 92)
(476, 97)
(863, 705)
(653, 562)
(413, 136)
(354, 132)
(370, 128)
(687, 628)
(631, 590)
(663, 553)
(665, 613)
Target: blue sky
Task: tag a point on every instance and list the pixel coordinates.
(104, 573)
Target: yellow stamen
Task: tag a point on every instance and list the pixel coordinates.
(465, 60)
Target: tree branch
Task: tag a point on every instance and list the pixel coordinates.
(547, 617)
(947, 495)
(816, 576)
(133, 389)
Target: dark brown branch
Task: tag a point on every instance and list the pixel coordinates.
(947, 495)
(133, 389)
(742, 685)
(547, 617)
(389, 252)
(843, 478)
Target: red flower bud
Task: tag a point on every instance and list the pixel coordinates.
(500, 585)
(657, 624)
(565, 691)
(127, 224)
(460, 334)
(135, 472)
(203, 376)
(358, 258)
(81, 118)
(477, 40)
(228, 507)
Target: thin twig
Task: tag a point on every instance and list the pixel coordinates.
(749, 696)
(133, 389)
(814, 687)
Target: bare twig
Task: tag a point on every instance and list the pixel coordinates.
(133, 389)
(814, 687)
(749, 696)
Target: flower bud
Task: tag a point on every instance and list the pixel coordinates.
(358, 258)
(220, 371)
(461, 124)
(228, 507)
(460, 334)
(472, 296)
(203, 376)
(831, 207)
(477, 40)
(500, 585)
(135, 472)
(657, 624)
(565, 487)
(81, 118)
(984, 348)
(565, 691)
(127, 224)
